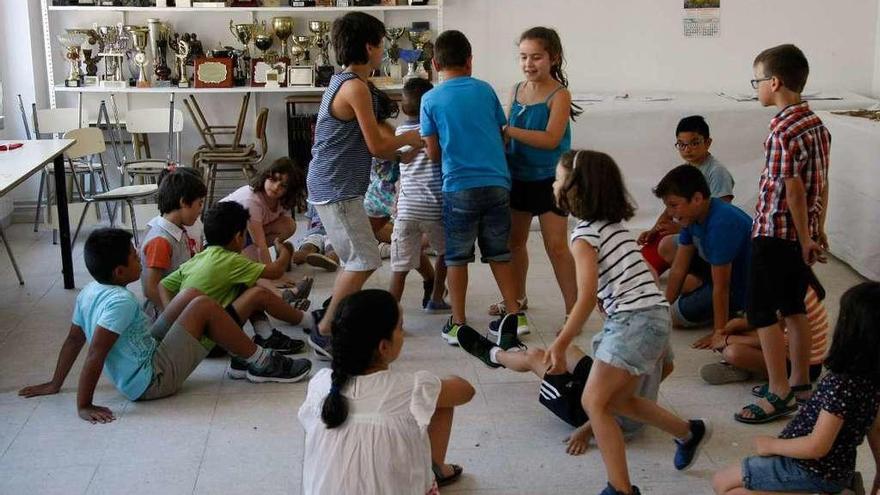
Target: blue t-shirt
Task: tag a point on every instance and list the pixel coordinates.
(130, 361)
(467, 117)
(528, 163)
(725, 237)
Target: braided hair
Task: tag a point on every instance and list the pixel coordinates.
(355, 344)
(550, 39)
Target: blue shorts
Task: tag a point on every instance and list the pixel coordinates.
(481, 215)
(694, 309)
(633, 340)
(783, 474)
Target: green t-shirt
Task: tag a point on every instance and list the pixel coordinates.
(216, 272)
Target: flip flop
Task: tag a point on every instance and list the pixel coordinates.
(321, 261)
(761, 390)
(781, 407)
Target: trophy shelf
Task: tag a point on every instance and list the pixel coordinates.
(378, 8)
(301, 90)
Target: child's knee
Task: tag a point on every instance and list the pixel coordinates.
(667, 248)
(733, 354)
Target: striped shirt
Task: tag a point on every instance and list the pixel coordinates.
(340, 166)
(420, 195)
(799, 145)
(817, 317)
(625, 283)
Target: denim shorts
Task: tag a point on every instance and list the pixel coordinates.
(480, 215)
(633, 340)
(694, 309)
(783, 474)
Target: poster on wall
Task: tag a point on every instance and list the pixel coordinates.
(701, 18)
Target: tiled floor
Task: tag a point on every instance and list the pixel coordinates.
(222, 436)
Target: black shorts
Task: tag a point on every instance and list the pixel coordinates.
(700, 268)
(561, 394)
(535, 197)
(778, 279)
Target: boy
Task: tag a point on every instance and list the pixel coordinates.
(719, 234)
(166, 246)
(461, 123)
(315, 249)
(693, 142)
(788, 234)
(222, 273)
(146, 362)
(419, 209)
(347, 137)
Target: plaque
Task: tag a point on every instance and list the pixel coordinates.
(213, 73)
(301, 75)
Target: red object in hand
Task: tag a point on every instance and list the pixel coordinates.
(10, 146)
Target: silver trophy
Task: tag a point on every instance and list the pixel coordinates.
(114, 44)
(160, 34)
(72, 42)
(139, 35)
(324, 69)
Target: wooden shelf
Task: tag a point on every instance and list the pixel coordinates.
(227, 10)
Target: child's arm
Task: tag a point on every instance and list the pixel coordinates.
(679, 271)
(549, 138)
(278, 267)
(663, 226)
(432, 148)
(721, 295)
(586, 267)
(259, 238)
(823, 238)
(874, 442)
(356, 94)
(102, 342)
(74, 342)
(153, 288)
(796, 197)
(813, 446)
(454, 391)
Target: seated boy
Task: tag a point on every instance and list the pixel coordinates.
(562, 394)
(692, 141)
(719, 234)
(315, 248)
(222, 273)
(166, 246)
(146, 362)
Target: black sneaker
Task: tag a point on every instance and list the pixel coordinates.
(504, 330)
(686, 452)
(280, 343)
(427, 290)
(522, 324)
(476, 345)
(237, 368)
(609, 490)
(321, 345)
(281, 369)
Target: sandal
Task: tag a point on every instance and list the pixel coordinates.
(499, 309)
(445, 480)
(761, 390)
(781, 407)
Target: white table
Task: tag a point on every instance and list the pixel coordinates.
(19, 164)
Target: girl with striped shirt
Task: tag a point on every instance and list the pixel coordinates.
(611, 271)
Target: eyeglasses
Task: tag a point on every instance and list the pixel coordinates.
(693, 144)
(755, 82)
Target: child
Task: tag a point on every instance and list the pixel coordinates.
(419, 209)
(166, 246)
(370, 429)
(692, 142)
(788, 234)
(347, 137)
(719, 234)
(146, 362)
(560, 393)
(315, 248)
(222, 273)
(539, 132)
(636, 331)
(816, 452)
(461, 121)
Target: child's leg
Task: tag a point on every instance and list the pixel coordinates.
(506, 280)
(398, 281)
(305, 249)
(457, 277)
(261, 299)
(282, 228)
(533, 360)
(381, 228)
(520, 223)
(425, 269)
(172, 312)
(554, 230)
(346, 283)
(493, 235)
(203, 316)
(799, 344)
(454, 391)
(728, 480)
(439, 279)
(773, 349)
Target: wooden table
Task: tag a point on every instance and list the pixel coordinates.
(19, 164)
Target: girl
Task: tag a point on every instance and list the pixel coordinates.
(370, 429)
(816, 451)
(539, 132)
(636, 331)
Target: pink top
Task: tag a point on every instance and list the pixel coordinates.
(257, 205)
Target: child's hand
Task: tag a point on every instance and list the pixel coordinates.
(414, 139)
(554, 358)
(764, 444)
(96, 414)
(279, 246)
(813, 252)
(645, 237)
(579, 441)
(47, 388)
(704, 342)
(409, 155)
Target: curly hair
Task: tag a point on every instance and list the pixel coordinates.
(294, 198)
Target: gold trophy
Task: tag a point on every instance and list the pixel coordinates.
(421, 41)
(392, 66)
(301, 72)
(324, 70)
(139, 36)
(182, 48)
(244, 34)
(263, 39)
(283, 27)
(71, 44)
(160, 34)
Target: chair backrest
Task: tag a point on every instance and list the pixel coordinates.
(89, 141)
(242, 115)
(152, 120)
(56, 120)
(198, 119)
(262, 119)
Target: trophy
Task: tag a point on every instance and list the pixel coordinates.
(301, 72)
(113, 46)
(244, 34)
(262, 39)
(421, 41)
(72, 43)
(182, 48)
(324, 70)
(139, 35)
(391, 62)
(159, 37)
(283, 27)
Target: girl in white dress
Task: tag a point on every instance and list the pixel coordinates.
(371, 430)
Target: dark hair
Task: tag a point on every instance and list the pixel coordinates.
(787, 63)
(362, 321)
(452, 50)
(593, 188)
(683, 181)
(553, 45)
(694, 123)
(350, 35)
(106, 249)
(856, 343)
(182, 184)
(224, 220)
(386, 108)
(413, 90)
(294, 198)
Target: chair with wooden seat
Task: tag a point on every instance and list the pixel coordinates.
(229, 135)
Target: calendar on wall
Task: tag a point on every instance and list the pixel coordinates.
(701, 18)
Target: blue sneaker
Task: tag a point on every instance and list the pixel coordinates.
(609, 490)
(321, 345)
(522, 324)
(686, 452)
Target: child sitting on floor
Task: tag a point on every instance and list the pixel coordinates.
(146, 362)
(315, 248)
(370, 429)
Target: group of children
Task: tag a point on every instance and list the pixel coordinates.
(471, 175)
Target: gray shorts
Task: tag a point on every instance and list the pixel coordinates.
(318, 240)
(178, 354)
(633, 340)
(406, 242)
(349, 231)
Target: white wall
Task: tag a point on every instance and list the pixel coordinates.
(876, 88)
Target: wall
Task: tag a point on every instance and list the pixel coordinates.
(876, 88)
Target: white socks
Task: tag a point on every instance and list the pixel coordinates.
(493, 354)
(262, 327)
(260, 358)
(308, 321)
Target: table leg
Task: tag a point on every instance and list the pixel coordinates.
(63, 222)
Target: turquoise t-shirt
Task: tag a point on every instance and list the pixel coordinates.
(466, 116)
(130, 361)
(528, 163)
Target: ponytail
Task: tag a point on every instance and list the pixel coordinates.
(334, 412)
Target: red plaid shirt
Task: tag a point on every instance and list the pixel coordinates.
(799, 145)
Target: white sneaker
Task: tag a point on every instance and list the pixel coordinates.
(384, 250)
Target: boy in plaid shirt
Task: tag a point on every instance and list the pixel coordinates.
(788, 233)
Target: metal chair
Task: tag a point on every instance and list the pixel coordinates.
(140, 123)
(90, 142)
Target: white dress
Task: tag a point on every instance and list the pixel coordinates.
(383, 446)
